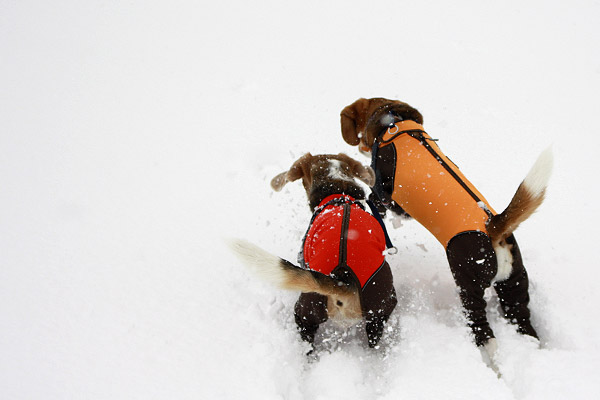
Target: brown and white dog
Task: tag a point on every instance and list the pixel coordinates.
(344, 274)
(414, 178)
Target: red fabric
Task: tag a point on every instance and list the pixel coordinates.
(365, 243)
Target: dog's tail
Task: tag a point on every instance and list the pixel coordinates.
(284, 274)
(526, 200)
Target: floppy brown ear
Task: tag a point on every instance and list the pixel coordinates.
(350, 120)
(366, 174)
(279, 181)
(294, 173)
(349, 132)
(362, 172)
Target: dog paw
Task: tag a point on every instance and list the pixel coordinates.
(488, 353)
(397, 221)
(525, 328)
(312, 356)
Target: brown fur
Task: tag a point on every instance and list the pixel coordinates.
(521, 207)
(361, 120)
(307, 166)
(314, 171)
(342, 301)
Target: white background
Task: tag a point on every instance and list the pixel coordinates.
(134, 136)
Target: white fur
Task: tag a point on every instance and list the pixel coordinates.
(539, 175)
(491, 347)
(387, 120)
(264, 264)
(335, 171)
(505, 260)
(488, 354)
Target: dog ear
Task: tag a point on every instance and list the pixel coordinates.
(349, 132)
(365, 174)
(349, 121)
(362, 172)
(294, 173)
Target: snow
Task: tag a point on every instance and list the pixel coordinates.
(135, 137)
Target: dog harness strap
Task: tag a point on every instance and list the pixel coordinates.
(420, 135)
(388, 241)
(398, 129)
(344, 235)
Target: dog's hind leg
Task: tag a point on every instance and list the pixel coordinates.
(473, 264)
(310, 311)
(513, 293)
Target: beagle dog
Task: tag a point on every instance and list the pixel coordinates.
(343, 273)
(415, 179)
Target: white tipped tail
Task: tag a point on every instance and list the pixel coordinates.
(267, 266)
(527, 199)
(284, 274)
(537, 179)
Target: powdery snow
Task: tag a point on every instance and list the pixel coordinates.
(136, 137)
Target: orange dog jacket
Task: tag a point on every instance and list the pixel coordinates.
(426, 184)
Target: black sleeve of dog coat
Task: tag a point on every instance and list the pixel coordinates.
(310, 311)
(513, 293)
(384, 165)
(374, 329)
(380, 206)
(473, 264)
(396, 209)
(378, 301)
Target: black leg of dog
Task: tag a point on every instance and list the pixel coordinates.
(513, 293)
(380, 292)
(310, 312)
(473, 264)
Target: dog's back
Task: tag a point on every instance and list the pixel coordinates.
(415, 173)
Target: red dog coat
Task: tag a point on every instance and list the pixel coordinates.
(347, 243)
(344, 234)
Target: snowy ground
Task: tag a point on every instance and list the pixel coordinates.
(134, 136)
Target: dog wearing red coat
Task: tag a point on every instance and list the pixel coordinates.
(343, 273)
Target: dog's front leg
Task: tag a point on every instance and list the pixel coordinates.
(473, 264)
(398, 213)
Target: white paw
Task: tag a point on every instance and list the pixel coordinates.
(397, 221)
(488, 354)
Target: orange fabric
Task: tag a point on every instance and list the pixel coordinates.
(428, 191)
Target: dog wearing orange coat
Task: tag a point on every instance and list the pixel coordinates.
(415, 179)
